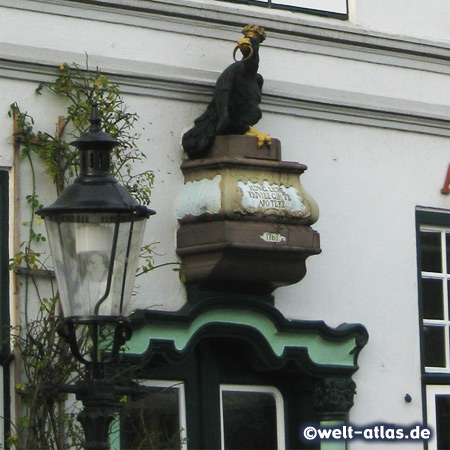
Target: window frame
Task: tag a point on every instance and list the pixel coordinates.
(444, 277)
(171, 384)
(5, 347)
(304, 7)
(279, 408)
(435, 380)
(432, 391)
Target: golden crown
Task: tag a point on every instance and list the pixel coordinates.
(254, 31)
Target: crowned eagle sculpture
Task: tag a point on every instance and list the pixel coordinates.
(234, 108)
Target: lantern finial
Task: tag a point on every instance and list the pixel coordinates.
(95, 118)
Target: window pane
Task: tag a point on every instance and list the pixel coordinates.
(443, 421)
(432, 299)
(447, 250)
(434, 346)
(430, 247)
(448, 298)
(249, 420)
(152, 422)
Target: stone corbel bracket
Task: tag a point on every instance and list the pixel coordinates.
(245, 219)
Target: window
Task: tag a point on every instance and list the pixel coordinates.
(157, 419)
(438, 411)
(333, 8)
(251, 418)
(237, 389)
(434, 286)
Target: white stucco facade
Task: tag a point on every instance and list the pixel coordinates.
(363, 102)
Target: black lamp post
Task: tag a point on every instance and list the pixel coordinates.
(95, 229)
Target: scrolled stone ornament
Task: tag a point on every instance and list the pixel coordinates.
(334, 397)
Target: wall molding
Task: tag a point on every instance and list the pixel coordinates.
(157, 80)
(200, 18)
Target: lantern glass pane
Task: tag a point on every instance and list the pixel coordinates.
(95, 257)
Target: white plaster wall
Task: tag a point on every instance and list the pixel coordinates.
(294, 63)
(159, 126)
(422, 19)
(45, 113)
(369, 185)
(160, 123)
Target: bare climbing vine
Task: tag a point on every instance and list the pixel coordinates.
(48, 422)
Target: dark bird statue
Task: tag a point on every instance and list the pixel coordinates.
(234, 108)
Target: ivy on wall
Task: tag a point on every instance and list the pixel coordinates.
(46, 421)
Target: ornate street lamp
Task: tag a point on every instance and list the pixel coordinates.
(95, 230)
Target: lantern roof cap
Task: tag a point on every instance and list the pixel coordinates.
(96, 195)
(96, 190)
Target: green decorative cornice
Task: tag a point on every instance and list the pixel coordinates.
(312, 345)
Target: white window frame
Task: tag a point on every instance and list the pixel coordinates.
(330, 6)
(311, 6)
(279, 408)
(181, 408)
(181, 403)
(445, 279)
(431, 392)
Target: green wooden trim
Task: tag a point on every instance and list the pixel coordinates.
(234, 339)
(261, 325)
(422, 217)
(320, 350)
(433, 217)
(114, 434)
(429, 378)
(4, 300)
(332, 445)
(4, 257)
(426, 217)
(437, 218)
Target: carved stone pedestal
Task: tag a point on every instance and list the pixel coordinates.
(244, 219)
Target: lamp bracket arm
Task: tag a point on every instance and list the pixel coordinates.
(51, 389)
